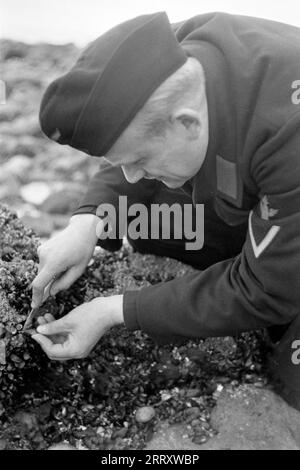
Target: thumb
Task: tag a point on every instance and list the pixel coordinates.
(45, 343)
(65, 280)
(53, 351)
(53, 328)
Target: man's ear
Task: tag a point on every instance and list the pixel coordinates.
(189, 120)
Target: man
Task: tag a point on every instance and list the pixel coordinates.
(203, 112)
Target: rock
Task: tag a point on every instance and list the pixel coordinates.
(192, 412)
(245, 418)
(249, 418)
(35, 193)
(144, 414)
(171, 437)
(120, 433)
(195, 423)
(61, 446)
(192, 392)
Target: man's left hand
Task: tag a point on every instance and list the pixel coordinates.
(75, 335)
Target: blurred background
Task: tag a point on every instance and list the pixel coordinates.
(41, 39)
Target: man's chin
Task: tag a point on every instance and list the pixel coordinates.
(172, 184)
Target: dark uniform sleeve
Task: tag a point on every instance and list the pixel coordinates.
(258, 288)
(105, 188)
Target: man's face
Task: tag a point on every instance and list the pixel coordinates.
(173, 158)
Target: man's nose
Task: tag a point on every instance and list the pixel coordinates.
(132, 175)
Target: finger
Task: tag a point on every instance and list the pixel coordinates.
(38, 285)
(41, 320)
(65, 280)
(45, 343)
(49, 318)
(47, 291)
(53, 328)
(54, 351)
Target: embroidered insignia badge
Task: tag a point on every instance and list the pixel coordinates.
(265, 210)
(56, 135)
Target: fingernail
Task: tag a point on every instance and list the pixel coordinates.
(40, 329)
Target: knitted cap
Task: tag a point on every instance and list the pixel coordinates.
(90, 106)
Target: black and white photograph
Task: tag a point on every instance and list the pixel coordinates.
(149, 228)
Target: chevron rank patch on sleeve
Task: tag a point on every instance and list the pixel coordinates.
(261, 230)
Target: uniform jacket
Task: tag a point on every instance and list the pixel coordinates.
(252, 172)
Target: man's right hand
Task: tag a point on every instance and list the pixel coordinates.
(65, 257)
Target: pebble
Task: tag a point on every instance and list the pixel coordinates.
(192, 392)
(192, 412)
(223, 380)
(144, 414)
(121, 433)
(200, 439)
(195, 422)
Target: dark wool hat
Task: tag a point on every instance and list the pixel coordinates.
(90, 106)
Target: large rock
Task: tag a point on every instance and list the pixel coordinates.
(245, 418)
(255, 419)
